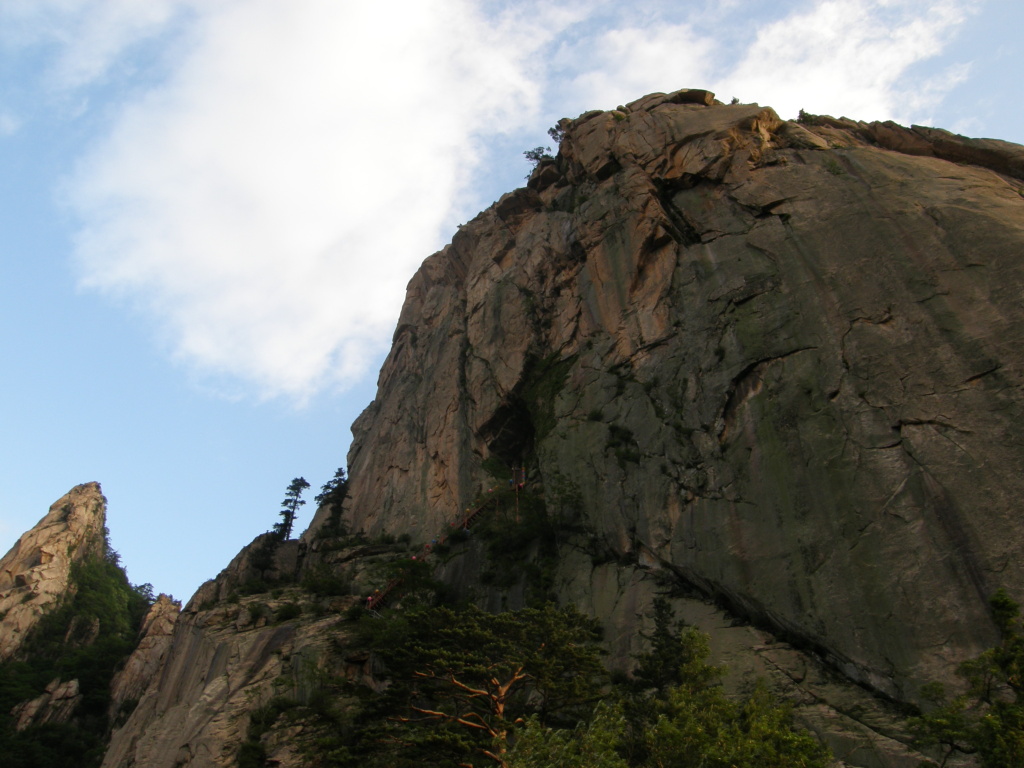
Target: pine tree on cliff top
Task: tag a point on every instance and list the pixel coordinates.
(290, 507)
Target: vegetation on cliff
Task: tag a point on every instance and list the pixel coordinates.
(85, 638)
(987, 720)
(456, 685)
(673, 713)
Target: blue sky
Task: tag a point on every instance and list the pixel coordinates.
(210, 208)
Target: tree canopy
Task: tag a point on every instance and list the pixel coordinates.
(461, 680)
(674, 714)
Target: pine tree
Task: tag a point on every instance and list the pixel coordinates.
(460, 681)
(334, 490)
(290, 508)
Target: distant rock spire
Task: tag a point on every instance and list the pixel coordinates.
(35, 573)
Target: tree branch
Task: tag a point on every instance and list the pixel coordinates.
(482, 726)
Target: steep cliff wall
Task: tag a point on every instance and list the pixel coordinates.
(769, 363)
(777, 361)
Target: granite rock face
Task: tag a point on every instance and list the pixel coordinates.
(777, 361)
(198, 676)
(774, 364)
(54, 705)
(139, 671)
(36, 572)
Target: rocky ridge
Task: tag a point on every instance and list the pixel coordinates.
(226, 655)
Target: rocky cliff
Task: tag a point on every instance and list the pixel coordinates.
(768, 368)
(36, 572)
(199, 680)
(69, 619)
(777, 361)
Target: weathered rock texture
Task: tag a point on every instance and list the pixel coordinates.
(778, 361)
(35, 573)
(771, 363)
(143, 665)
(207, 670)
(54, 705)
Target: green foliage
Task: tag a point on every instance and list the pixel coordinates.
(334, 490)
(702, 728)
(526, 689)
(622, 442)
(458, 680)
(287, 612)
(418, 585)
(589, 745)
(85, 638)
(675, 715)
(988, 719)
(251, 752)
(677, 656)
(833, 167)
(523, 536)
(263, 557)
(324, 581)
(535, 155)
(258, 611)
(333, 493)
(544, 381)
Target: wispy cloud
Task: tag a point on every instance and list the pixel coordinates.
(620, 65)
(270, 202)
(850, 57)
(87, 37)
(832, 56)
(266, 204)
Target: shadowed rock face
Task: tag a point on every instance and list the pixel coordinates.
(36, 572)
(779, 361)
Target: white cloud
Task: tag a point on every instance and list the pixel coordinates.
(621, 65)
(838, 56)
(88, 36)
(267, 204)
(270, 202)
(850, 57)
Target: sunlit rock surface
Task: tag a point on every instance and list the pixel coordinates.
(35, 573)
